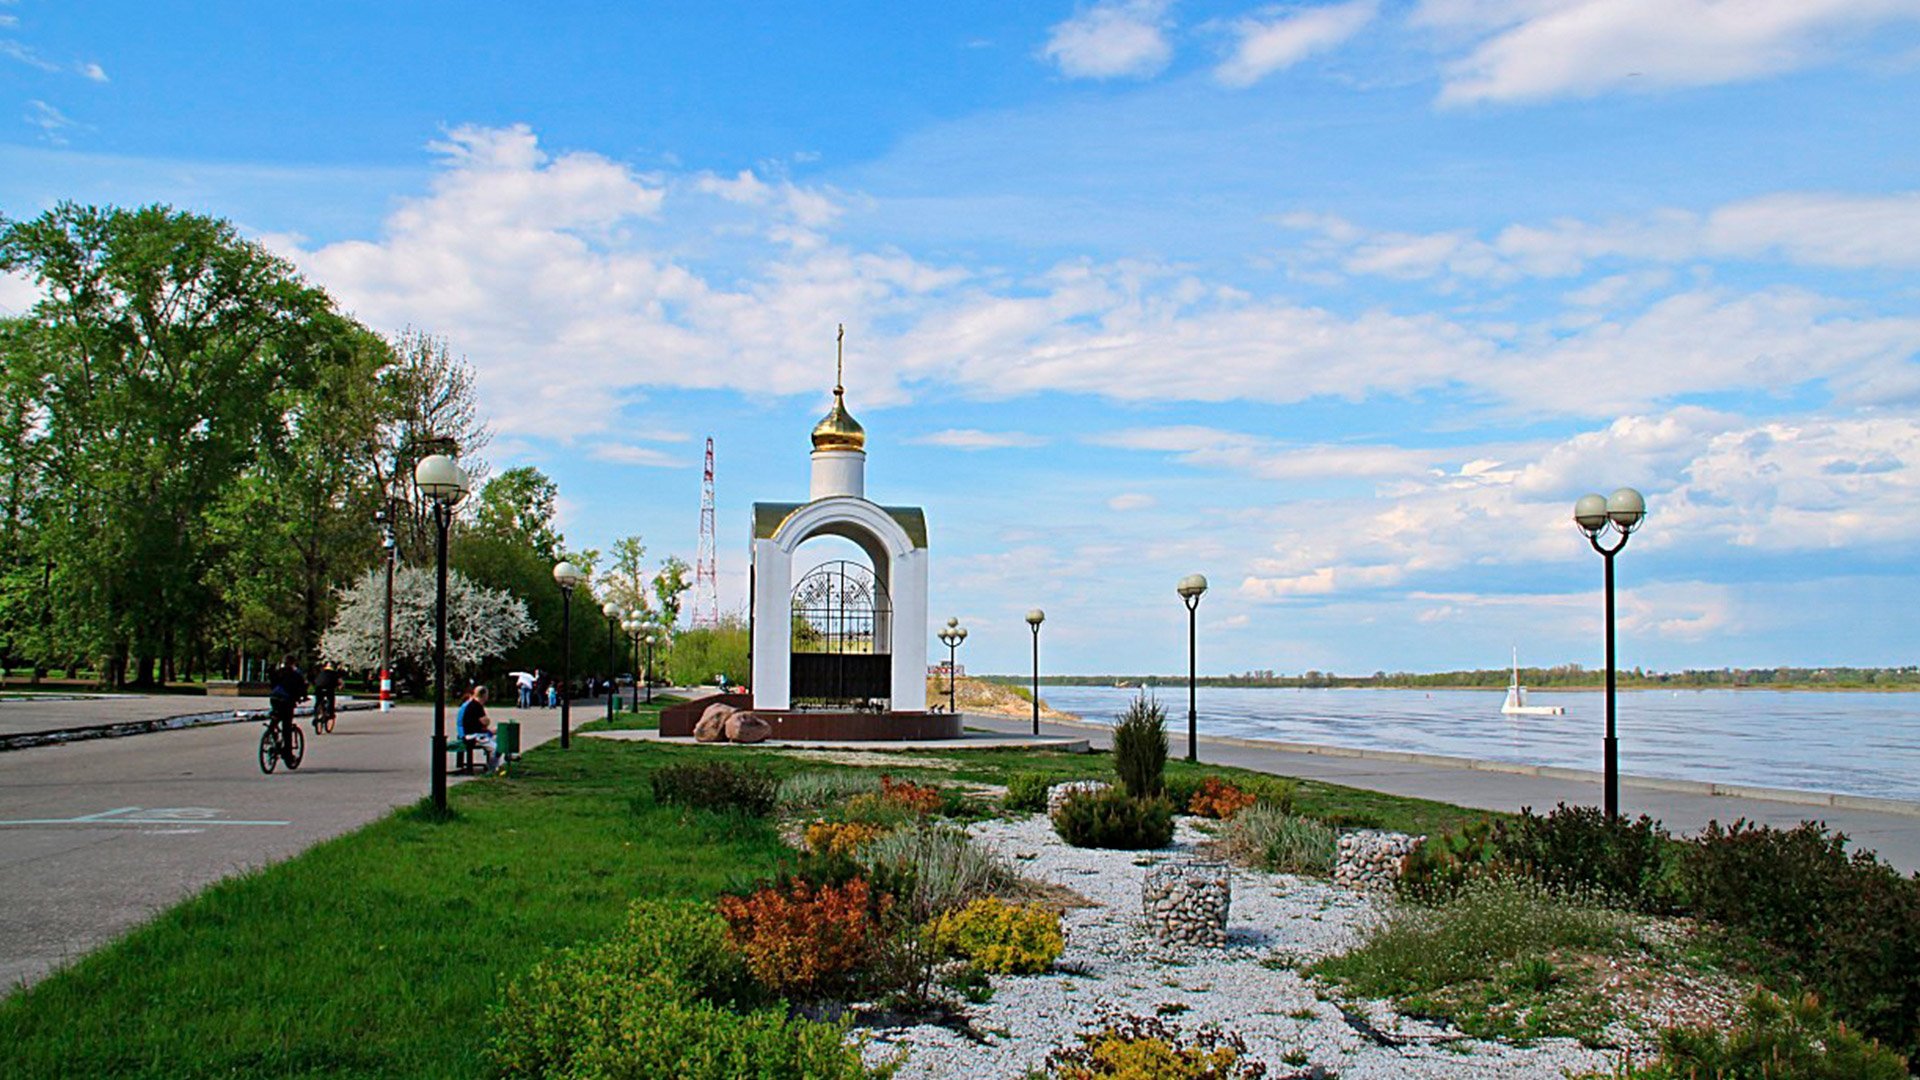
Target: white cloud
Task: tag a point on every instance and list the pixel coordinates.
(1278, 39)
(1131, 500)
(973, 439)
(628, 454)
(23, 53)
(91, 71)
(53, 123)
(1112, 39)
(1527, 50)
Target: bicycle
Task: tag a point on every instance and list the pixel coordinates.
(281, 743)
(324, 714)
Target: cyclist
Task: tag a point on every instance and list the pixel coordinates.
(289, 687)
(326, 684)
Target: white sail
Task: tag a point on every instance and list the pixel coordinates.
(1516, 703)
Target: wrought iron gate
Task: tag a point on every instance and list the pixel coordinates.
(842, 638)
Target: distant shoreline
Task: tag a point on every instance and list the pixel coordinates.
(1584, 688)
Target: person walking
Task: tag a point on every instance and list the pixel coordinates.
(524, 680)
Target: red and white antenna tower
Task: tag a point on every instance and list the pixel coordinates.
(706, 583)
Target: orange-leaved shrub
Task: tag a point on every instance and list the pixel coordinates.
(840, 837)
(918, 798)
(1218, 798)
(799, 938)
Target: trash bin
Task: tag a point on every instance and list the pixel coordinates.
(616, 705)
(507, 735)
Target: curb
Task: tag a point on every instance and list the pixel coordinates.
(57, 736)
(1793, 796)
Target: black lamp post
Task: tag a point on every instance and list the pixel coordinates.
(392, 548)
(1191, 588)
(442, 480)
(1620, 513)
(653, 638)
(951, 636)
(568, 575)
(612, 611)
(1034, 619)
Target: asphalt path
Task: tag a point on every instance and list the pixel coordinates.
(98, 836)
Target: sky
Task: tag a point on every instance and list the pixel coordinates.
(1340, 304)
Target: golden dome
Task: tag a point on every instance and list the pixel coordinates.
(838, 430)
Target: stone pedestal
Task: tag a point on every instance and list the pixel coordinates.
(1186, 903)
(1371, 859)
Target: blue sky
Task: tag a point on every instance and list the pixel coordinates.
(1340, 304)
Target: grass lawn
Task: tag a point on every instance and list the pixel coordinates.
(379, 953)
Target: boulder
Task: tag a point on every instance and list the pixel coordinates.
(713, 724)
(746, 727)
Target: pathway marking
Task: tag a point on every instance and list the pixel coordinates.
(171, 815)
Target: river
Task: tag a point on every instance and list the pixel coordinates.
(1853, 743)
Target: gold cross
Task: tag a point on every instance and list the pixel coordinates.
(840, 360)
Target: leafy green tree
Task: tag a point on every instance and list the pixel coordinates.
(158, 364)
(701, 655)
(518, 507)
(670, 587)
(625, 580)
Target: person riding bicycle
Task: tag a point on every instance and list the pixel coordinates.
(289, 687)
(326, 684)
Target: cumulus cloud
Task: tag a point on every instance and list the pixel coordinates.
(1131, 500)
(1529, 50)
(628, 454)
(1112, 39)
(53, 123)
(974, 439)
(1279, 38)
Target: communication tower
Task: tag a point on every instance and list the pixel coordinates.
(706, 584)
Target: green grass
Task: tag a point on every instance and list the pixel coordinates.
(379, 953)
(642, 717)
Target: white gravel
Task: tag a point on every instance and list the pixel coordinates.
(1111, 961)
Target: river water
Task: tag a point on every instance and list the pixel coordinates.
(1855, 743)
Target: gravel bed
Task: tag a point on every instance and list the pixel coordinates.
(1277, 921)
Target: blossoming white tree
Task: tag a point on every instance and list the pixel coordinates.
(482, 623)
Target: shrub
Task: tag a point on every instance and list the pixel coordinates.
(1846, 926)
(1149, 1048)
(1140, 747)
(1772, 1038)
(1113, 819)
(813, 790)
(840, 837)
(1013, 939)
(716, 785)
(1578, 849)
(653, 1000)
(1028, 791)
(1448, 861)
(1219, 799)
(1272, 839)
(919, 799)
(798, 938)
(934, 869)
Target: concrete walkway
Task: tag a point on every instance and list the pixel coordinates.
(1894, 836)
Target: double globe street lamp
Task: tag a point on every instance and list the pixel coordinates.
(444, 483)
(1034, 619)
(652, 636)
(951, 635)
(1191, 588)
(568, 576)
(612, 611)
(1618, 514)
(634, 628)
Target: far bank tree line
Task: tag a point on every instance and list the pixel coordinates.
(1567, 676)
(194, 446)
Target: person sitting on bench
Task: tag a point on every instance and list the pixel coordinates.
(472, 726)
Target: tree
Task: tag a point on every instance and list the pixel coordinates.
(518, 507)
(670, 586)
(702, 655)
(482, 623)
(429, 407)
(158, 366)
(625, 581)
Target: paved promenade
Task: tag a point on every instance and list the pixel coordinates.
(1896, 837)
(97, 836)
(57, 711)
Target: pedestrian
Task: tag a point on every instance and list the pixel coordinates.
(524, 680)
(473, 725)
(553, 695)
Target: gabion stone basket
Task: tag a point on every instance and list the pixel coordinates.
(1186, 902)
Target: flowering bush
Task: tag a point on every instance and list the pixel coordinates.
(1014, 939)
(918, 798)
(840, 837)
(801, 938)
(1219, 799)
(1148, 1048)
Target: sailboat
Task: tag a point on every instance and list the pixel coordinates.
(1516, 703)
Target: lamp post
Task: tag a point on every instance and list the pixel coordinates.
(1034, 619)
(1191, 588)
(632, 625)
(653, 638)
(1621, 513)
(568, 575)
(951, 636)
(612, 611)
(392, 548)
(442, 480)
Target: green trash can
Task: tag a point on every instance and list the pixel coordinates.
(506, 735)
(617, 710)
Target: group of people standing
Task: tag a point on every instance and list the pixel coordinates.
(537, 688)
